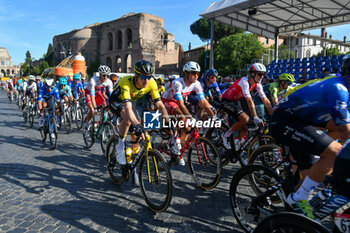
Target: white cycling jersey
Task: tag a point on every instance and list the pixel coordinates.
(178, 89)
(28, 87)
(96, 85)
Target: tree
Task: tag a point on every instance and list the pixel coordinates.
(235, 51)
(93, 67)
(50, 56)
(28, 57)
(330, 52)
(283, 52)
(202, 26)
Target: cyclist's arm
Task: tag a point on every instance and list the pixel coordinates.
(251, 106)
(130, 115)
(267, 105)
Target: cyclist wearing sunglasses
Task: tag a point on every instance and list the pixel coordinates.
(125, 93)
(94, 92)
(240, 89)
(46, 98)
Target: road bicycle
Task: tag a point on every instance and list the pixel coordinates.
(50, 128)
(77, 114)
(99, 130)
(64, 117)
(29, 112)
(153, 172)
(203, 160)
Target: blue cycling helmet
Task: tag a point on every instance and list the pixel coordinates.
(211, 72)
(76, 77)
(63, 81)
(19, 81)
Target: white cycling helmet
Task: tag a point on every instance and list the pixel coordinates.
(49, 83)
(104, 70)
(191, 66)
(31, 78)
(38, 77)
(257, 67)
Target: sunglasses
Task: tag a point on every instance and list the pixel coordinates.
(144, 77)
(194, 73)
(260, 74)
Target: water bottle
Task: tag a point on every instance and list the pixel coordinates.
(128, 155)
(95, 126)
(178, 143)
(320, 198)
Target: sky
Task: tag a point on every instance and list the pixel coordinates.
(31, 25)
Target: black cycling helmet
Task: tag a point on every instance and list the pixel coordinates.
(346, 64)
(144, 67)
(211, 72)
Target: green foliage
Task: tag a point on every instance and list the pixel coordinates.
(201, 60)
(28, 57)
(330, 52)
(283, 52)
(93, 67)
(202, 26)
(50, 56)
(235, 51)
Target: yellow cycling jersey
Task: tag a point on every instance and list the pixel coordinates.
(126, 90)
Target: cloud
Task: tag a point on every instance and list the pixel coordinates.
(10, 12)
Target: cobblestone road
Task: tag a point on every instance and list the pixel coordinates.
(69, 190)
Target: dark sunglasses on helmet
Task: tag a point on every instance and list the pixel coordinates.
(145, 77)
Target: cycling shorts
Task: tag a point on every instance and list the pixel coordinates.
(341, 176)
(98, 98)
(193, 99)
(232, 108)
(75, 95)
(304, 140)
(170, 105)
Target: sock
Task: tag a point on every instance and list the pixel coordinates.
(305, 189)
(228, 133)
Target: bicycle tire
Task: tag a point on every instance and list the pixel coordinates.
(53, 134)
(158, 192)
(89, 136)
(289, 222)
(246, 216)
(112, 166)
(67, 121)
(106, 132)
(79, 116)
(25, 115)
(263, 140)
(214, 135)
(43, 133)
(31, 117)
(213, 162)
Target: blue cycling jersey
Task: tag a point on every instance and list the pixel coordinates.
(66, 91)
(319, 102)
(43, 94)
(39, 85)
(75, 87)
(207, 89)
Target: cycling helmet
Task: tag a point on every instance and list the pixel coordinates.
(76, 77)
(104, 70)
(31, 78)
(113, 76)
(49, 83)
(144, 67)
(63, 81)
(19, 81)
(191, 66)
(160, 81)
(257, 67)
(38, 77)
(211, 72)
(286, 77)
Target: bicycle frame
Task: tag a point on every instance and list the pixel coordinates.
(104, 119)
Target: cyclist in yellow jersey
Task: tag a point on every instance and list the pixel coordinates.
(127, 91)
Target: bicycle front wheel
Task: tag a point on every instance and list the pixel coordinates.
(53, 133)
(156, 186)
(79, 116)
(106, 132)
(89, 136)
(204, 163)
(289, 222)
(67, 121)
(31, 117)
(214, 135)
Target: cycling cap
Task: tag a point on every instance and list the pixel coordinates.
(31, 78)
(76, 77)
(144, 67)
(211, 72)
(63, 81)
(49, 83)
(257, 67)
(104, 70)
(191, 66)
(286, 77)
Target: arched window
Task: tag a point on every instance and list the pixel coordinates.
(109, 62)
(128, 38)
(110, 41)
(127, 68)
(118, 66)
(120, 40)
(308, 53)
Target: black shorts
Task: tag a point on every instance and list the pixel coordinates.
(232, 108)
(341, 176)
(304, 140)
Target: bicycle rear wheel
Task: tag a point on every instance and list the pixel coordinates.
(106, 132)
(115, 170)
(205, 170)
(214, 135)
(158, 190)
(89, 136)
(53, 133)
(291, 223)
(79, 116)
(246, 185)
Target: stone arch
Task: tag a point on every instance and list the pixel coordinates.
(110, 41)
(13, 72)
(109, 62)
(128, 38)
(128, 65)
(118, 62)
(308, 53)
(3, 72)
(119, 40)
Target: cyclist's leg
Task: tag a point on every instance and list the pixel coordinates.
(91, 112)
(341, 173)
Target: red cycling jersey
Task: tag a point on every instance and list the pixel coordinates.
(240, 88)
